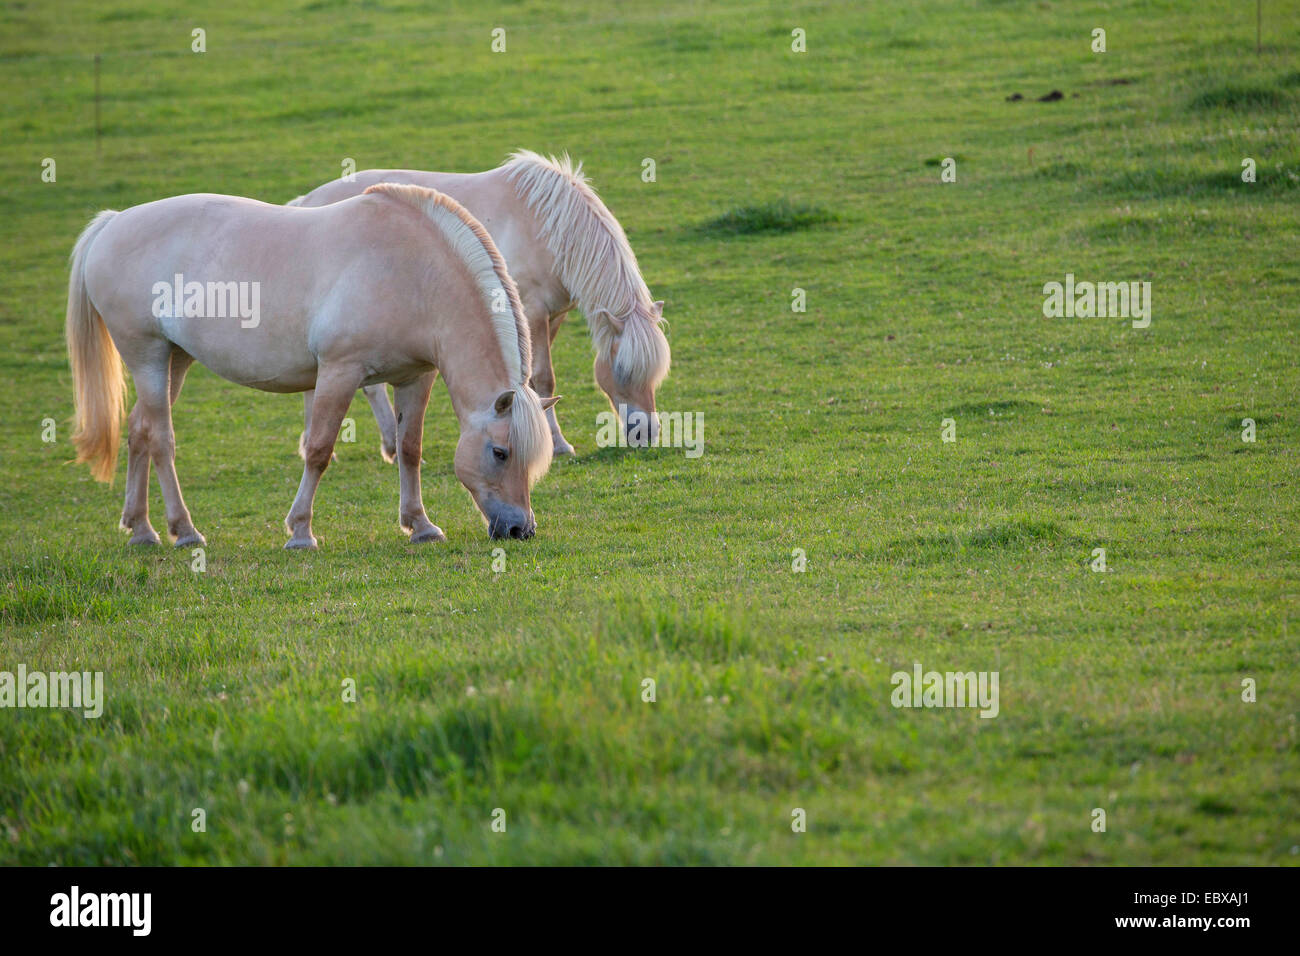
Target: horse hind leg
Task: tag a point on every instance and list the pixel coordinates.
(180, 365)
(135, 507)
(153, 388)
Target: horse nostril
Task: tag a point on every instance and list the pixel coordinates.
(517, 531)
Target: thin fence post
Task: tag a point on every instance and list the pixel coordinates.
(98, 148)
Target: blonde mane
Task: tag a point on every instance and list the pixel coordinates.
(595, 263)
(530, 436)
(474, 247)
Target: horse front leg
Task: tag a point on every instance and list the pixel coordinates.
(543, 331)
(307, 398)
(335, 387)
(377, 396)
(307, 424)
(412, 400)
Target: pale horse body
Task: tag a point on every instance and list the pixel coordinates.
(393, 286)
(564, 248)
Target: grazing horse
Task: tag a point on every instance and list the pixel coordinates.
(395, 286)
(564, 248)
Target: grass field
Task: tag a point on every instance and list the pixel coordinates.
(776, 170)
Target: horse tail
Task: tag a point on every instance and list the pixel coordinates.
(98, 382)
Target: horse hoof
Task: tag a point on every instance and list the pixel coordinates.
(432, 533)
(388, 454)
(562, 447)
(191, 539)
(300, 544)
(148, 538)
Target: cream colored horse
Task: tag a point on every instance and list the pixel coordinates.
(564, 248)
(394, 286)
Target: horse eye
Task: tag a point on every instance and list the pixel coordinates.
(499, 453)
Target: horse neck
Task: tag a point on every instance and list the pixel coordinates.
(470, 361)
(534, 268)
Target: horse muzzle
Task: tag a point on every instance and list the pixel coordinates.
(507, 522)
(640, 428)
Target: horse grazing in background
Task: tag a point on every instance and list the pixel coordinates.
(564, 248)
(395, 285)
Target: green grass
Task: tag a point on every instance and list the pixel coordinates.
(523, 690)
(1277, 95)
(780, 216)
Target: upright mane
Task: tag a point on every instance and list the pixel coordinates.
(595, 262)
(472, 244)
(530, 436)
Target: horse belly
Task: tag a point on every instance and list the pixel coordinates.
(247, 355)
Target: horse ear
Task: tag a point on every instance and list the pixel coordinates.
(658, 308)
(613, 319)
(548, 402)
(505, 401)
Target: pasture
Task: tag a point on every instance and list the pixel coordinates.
(522, 689)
